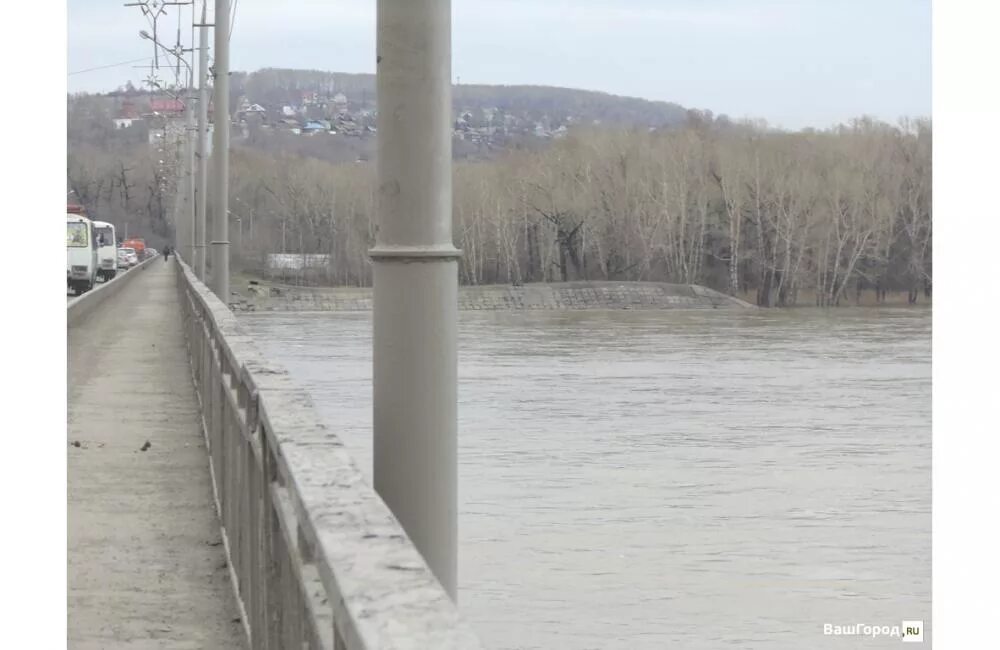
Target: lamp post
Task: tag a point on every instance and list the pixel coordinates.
(220, 146)
(250, 211)
(190, 233)
(239, 232)
(202, 191)
(415, 270)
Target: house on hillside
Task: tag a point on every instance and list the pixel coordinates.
(316, 126)
(167, 107)
(250, 110)
(122, 122)
(126, 116)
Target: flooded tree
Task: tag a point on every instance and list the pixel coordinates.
(739, 208)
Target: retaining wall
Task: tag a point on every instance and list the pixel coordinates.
(563, 296)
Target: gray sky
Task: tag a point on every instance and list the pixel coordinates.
(794, 63)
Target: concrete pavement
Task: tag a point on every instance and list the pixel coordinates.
(70, 295)
(146, 568)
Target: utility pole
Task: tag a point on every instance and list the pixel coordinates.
(220, 146)
(189, 140)
(415, 268)
(182, 153)
(152, 14)
(202, 192)
(191, 171)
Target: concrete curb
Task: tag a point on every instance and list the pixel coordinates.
(79, 307)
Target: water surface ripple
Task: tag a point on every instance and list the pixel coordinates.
(638, 480)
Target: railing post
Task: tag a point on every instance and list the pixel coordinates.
(416, 281)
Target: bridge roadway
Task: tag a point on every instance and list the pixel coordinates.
(146, 566)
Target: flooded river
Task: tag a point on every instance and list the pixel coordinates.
(687, 479)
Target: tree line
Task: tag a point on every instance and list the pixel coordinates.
(786, 218)
(741, 209)
(116, 174)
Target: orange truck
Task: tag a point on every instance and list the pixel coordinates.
(139, 245)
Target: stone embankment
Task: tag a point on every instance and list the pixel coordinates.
(563, 296)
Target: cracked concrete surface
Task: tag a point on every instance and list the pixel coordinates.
(146, 568)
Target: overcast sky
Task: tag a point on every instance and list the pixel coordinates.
(795, 63)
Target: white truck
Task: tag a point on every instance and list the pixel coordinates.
(107, 249)
(81, 253)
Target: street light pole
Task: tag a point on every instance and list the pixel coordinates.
(415, 270)
(202, 192)
(220, 146)
(239, 239)
(185, 209)
(191, 171)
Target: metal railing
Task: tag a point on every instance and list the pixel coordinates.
(317, 559)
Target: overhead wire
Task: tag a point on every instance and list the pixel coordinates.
(112, 65)
(232, 20)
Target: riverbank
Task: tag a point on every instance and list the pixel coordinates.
(260, 295)
(867, 298)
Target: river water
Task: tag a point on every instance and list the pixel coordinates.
(689, 479)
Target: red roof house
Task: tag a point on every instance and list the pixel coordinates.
(166, 106)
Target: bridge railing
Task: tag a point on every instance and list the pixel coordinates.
(316, 558)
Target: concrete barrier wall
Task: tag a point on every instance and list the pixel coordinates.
(79, 307)
(561, 296)
(316, 557)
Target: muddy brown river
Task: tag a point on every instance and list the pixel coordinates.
(687, 479)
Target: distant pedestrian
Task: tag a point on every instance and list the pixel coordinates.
(166, 253)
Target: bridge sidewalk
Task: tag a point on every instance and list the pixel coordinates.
(146, 568)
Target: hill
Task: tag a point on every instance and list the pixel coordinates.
(276, 86)
(276, 106)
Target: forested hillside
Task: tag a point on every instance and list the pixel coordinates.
(814, 216)
(272, 86)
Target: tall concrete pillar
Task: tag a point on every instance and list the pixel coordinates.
(202, 191)
(415, 267)
(220, 220)
(190, 243)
